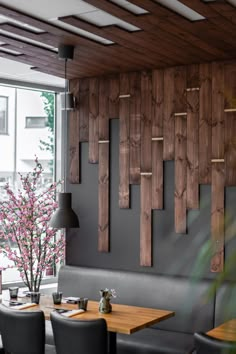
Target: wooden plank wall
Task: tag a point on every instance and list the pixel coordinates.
(186, 114)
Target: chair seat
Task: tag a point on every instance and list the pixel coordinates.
(154, 341)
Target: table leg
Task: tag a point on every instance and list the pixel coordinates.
(112, 342)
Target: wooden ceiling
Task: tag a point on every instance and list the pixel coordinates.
(164, 39)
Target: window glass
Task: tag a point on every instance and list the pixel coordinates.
(3, 114)
(25, 109)
(35, 122)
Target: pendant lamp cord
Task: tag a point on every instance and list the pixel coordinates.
(65, 127)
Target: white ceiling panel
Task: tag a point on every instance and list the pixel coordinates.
(12, 70)
(181, 9)
(101, 18)
(130, 7)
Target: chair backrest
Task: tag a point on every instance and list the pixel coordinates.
(205, 344)
(73, 336)
(22, 331)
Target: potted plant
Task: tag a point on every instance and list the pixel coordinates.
(31, 244)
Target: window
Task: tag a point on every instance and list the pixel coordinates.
(3, 115)
(35, 122)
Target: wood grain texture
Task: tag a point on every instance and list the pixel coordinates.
(146, 221)
(192, 149)
(74, 141)
(217, 110)
(103, 198)
(230, 148)
(193, 76)
(180, 84)
(157, 131)
(157, 103)
(103, 117)
(217, 216)
(83, 105)
(124, 318)
(93, 120)
(226, 331)
(205, 124)
(180, 175)
(124, 200)
(135, 127)
(157, 175)
(114, 91)
(169, 123)
(230, 85)
(146, 121)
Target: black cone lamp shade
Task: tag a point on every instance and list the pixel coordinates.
(64, 216)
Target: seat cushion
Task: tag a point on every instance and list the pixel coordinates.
(154, 341)
(49, 333)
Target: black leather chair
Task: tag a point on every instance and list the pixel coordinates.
(73, 336)
(23, 332)
(205, 344)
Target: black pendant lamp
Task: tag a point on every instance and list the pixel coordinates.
(64, 216)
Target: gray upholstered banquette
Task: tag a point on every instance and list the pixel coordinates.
(182, 295)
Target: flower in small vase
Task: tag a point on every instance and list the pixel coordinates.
(24, 222)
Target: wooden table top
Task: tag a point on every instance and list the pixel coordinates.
(226, 331)
(123, 318)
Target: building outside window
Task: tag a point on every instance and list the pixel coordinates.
(21, 109)
(36, 122)
(3, 115)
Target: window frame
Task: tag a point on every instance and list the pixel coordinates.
(6, 116)
(58, 158)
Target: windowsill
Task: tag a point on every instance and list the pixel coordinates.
(49, 282)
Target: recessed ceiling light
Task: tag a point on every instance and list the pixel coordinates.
(181, 9)
(130, 7)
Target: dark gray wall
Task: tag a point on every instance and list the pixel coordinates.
(172, 253)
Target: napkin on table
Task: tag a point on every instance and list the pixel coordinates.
(25, 306)
(72, 313)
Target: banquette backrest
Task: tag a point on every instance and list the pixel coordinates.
(182, 295)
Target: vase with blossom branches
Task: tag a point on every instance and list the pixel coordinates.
(24, 223)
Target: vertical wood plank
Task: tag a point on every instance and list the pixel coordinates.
(103, 198)
(230, 148)
(135, 128)
(157, 175)
(205, 124)
(93, 120)
(230, 85)
(103, 128)
(168, 123)
(74, 142)
(193, 76)
(157, 132)
(146, 221)
(180, 84)
(192, 149)
(217, 110)
(157, 103)
(146, 121)
(124, 200)
(180, 174)
(84, 110)
(114, 92)
(103, 170)
(217, 217)
(230, 124)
